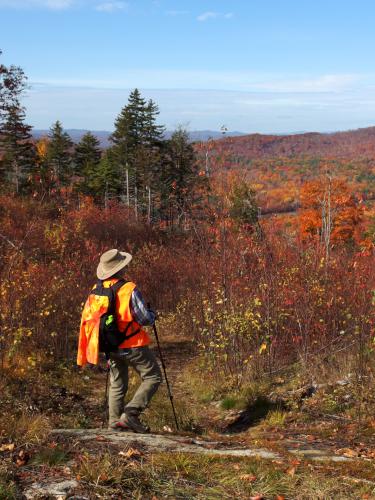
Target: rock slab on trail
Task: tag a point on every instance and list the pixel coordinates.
(169, 443)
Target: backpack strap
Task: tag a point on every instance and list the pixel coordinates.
(113, 292)
(115, 288)
(100, 290)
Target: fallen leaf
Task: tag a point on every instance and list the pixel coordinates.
(279, 497)
(295, 462)
(248, 477)
(348, 452)
(22, 458)
(258, 497)
(130, 453)
(291, 471)
(7, 447)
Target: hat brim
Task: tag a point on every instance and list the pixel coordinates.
(103, 275)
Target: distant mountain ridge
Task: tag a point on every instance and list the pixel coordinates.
(103, 135)
(359, 143)
(347, 144)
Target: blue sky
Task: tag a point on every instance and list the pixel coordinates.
(253, 65)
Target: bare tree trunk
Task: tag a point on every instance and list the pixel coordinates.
(106, 195)
(127, 188)
(327, 221)
(149, 205)
(135, 202)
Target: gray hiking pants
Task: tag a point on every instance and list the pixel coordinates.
(143, 361)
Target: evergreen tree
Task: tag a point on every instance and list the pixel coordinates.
(137, 140)
(129, 130)
(154, 133)
(86, 153)
(19, 155)
(102, 179)
(59, 153)
(13, 82)
(178, 174)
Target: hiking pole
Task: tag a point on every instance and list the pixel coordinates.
(165, 376)
(105, 396)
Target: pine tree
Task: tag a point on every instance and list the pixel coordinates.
(153, 133)
(13, 82)
(19, 155)
(129, 127)
(59, 153)
(137, 140)
(86, 153)
(103, 180)
(178, 174)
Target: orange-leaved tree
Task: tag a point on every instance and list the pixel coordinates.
(329, 210)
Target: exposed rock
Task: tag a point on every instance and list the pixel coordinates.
(157, 442)
(59, 490)
(318, 455)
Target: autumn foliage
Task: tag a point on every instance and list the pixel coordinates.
(331, 201)
(254, 302)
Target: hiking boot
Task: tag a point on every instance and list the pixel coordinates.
(131, 421)
(119, 427)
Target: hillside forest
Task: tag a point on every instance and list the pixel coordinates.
(256, 251)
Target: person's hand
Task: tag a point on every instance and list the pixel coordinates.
(154, 313)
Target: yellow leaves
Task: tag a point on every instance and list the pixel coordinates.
(131, 453)
(31, 361)
(7, 447)
(247, 360)
(248, 477)
(262, 348)
(257, 302)
(41, 147)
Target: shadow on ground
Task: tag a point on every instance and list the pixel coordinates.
(254, 413)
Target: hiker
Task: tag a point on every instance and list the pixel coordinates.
(130, 315)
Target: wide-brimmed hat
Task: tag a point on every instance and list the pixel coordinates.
(111, 262)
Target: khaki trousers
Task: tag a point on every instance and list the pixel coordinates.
(143, 361)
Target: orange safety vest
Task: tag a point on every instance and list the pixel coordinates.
(94, 308)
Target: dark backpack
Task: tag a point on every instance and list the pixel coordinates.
(110, 338)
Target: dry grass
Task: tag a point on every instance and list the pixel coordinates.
(25, 429)
(204, 477)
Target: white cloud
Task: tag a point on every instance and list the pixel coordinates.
(323, 83)
(111, 6)
(205, 16)
(244, 81)
(49, 4)
(268, 112)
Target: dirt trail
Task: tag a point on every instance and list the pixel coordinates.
(57, 483)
